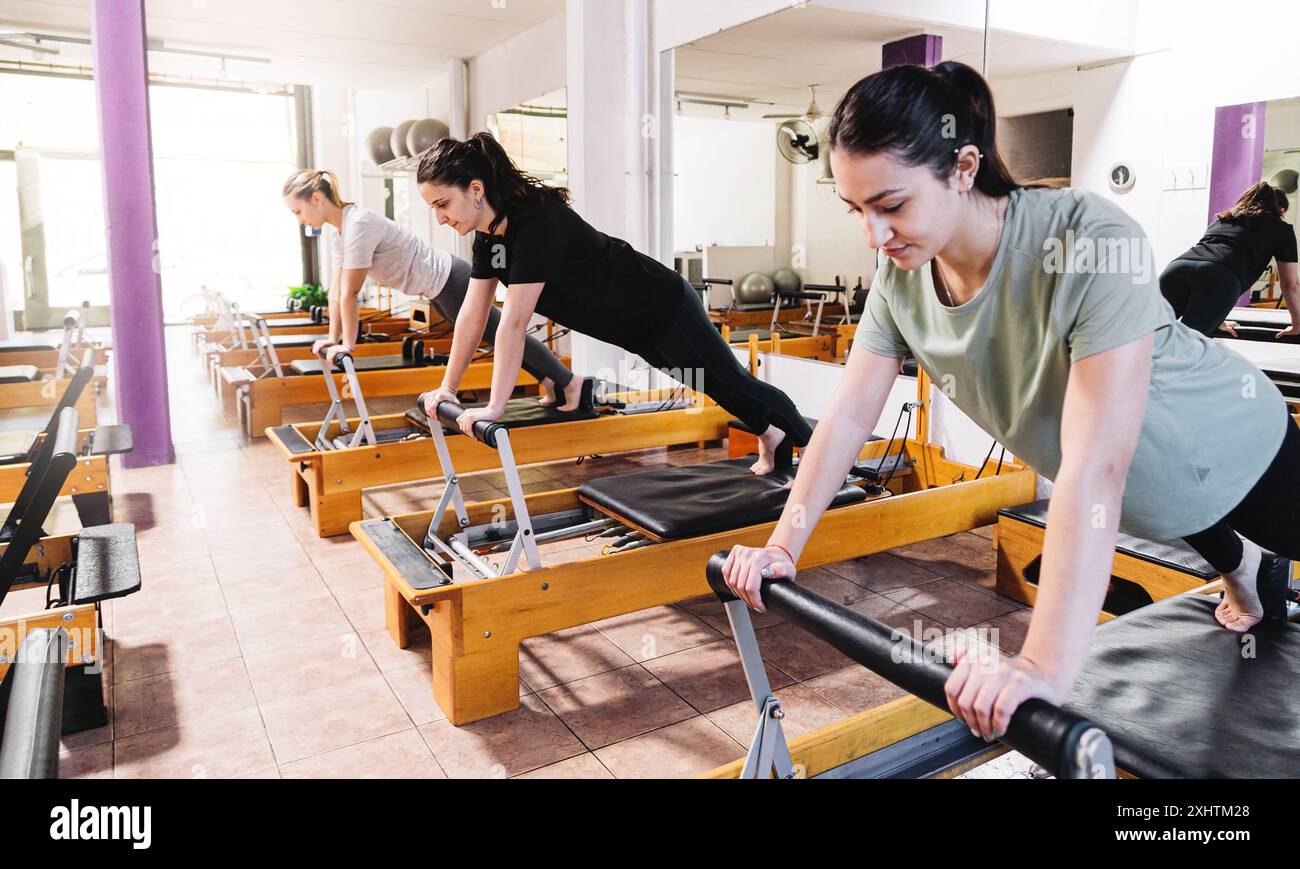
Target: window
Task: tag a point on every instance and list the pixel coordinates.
(220, 160)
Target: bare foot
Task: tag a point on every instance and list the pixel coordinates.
(1241, 610)
(548, 392)
(572, 395)
(768, 441)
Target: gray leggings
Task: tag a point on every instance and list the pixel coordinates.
(538, 361)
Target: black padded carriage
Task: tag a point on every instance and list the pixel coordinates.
(17, 447)
(1261, 324)
(368, 363)
(695, 500)
(285, 342)
(1280, 364)
(1175, 555)
(1181, 696)
(519, 413)
(18, 373)
(294, 323)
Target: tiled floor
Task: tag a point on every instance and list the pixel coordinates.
(257, 650)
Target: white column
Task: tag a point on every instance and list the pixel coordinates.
(606, 56)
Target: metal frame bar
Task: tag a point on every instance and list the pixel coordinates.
(524, 541)
(769, 753)
(365, 431)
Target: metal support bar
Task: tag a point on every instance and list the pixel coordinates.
(769, 753)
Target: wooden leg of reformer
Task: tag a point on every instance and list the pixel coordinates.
(261, 416)
(398, 615)
(470, 687)
(332, 513)
(301, 494)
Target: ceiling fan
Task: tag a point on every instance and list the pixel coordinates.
(811, 114)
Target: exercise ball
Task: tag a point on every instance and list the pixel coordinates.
(398, 138)
(787, 281)
(755, 288)
(423, 135)
(380, 145)
(1287, 180)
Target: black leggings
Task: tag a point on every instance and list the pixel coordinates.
(1202, 293)
(1267, 516)
(693, 347)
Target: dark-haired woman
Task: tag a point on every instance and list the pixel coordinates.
(558, 265)
(366, 243)
(1204, 283)
(1034, 305)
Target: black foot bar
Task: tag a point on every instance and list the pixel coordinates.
(1066, 744)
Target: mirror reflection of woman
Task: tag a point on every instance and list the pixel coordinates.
(369, 244)
(1204, 283)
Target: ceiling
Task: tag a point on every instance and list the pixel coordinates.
(774, 59)
(369, 44)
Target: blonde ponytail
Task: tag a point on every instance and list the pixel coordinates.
(305, 183)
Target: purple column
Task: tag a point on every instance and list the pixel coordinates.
(1238, 158)
(923, 50)
(118, 41)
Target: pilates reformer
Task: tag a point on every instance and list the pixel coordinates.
(1260, 324)
(472, 571)
(78, 572)
(1279, 361)
(89, 486)
(261, 402)
(1140, 706)
(334, 461)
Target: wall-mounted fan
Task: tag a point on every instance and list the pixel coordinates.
(801, 141)
(798, 142)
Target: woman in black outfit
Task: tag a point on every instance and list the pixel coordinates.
(556, 264)
(1204, 284)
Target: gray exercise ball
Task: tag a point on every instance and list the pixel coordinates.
(755, 288)
(787, 281)
(1287, 180)
(423, 135)
(398, 139)
(379, 143)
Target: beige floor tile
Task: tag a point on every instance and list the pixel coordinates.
(513, 743)
(396, 756)
(684, 750)
(334, 717)
(615, 706)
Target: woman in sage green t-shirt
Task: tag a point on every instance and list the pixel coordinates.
(1038, 312)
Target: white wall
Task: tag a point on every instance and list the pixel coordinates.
(1157, 110)
(520, 69)
(724, 184)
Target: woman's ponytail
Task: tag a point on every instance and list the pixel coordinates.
(305, 183)
(924, 117)
(458, 163)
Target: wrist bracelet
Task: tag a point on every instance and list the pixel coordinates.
(783, 549)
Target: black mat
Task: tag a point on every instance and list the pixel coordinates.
(16, 446)
(519, 413)
(293, 323)
(1175, 555)
(363, 363)
(17, 373)
(281, 342)
(691, 501)
(1276, 317)
(1179, 699)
